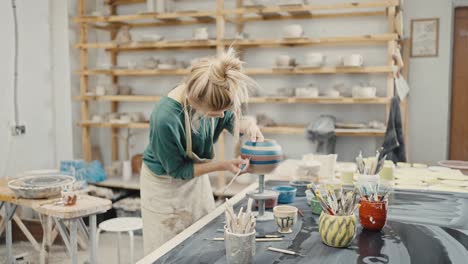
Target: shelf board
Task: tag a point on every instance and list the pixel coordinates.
(150, 45)
(321, 70)
(252, 100)
(141, 125)
(280, 129)
(319, 100)
(196, 44)
(270, 11)
(251, 71)
(120, 98)
(300, 129)
(126, 2)
(135, 72)
(349, 40)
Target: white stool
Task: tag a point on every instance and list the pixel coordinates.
(118, 225)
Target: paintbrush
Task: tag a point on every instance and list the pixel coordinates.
(324, 205)
(235, 176)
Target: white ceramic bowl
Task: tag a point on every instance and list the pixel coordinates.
(309, 92)
(293, 31)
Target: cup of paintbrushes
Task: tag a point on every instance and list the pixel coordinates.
(373, 214)
(240, 248)
(337, 231)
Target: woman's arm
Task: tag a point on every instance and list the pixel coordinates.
(227, 165)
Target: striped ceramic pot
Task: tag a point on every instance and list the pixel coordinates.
(264, 156)
(337, 231)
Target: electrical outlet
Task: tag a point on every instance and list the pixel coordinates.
(18, 130)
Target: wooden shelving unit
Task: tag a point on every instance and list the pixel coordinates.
(220, 16)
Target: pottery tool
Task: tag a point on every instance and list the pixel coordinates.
(300, 212)
(261, 239)
(235, 176)
(242, 223)
(285, 251)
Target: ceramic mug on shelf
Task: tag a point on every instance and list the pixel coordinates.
(200, 33)
(314, 59)
(332, 93)
(364, 91)
(284, 61)
(125, 90)
(285, 218)
(125, 118)
(293, 31)
(310, 92)
(112, 89)
(96, 119)
(100, 90)
(353, 60)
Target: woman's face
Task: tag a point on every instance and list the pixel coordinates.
(206, 112)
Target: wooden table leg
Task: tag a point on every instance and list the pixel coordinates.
(46, 238)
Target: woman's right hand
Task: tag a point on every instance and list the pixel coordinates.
(234, 165)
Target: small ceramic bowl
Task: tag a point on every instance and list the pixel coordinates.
(269, 203)
(287, 194)
(301, 187)
(313, 202)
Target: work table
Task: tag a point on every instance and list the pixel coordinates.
(422, 227)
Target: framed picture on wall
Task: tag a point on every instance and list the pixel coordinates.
(425, 37)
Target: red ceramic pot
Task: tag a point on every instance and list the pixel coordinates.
(269, 203)
(373, 215)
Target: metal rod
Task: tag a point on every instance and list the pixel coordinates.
(63, 233)
(9, 239)
(73, 241)
(261, 183)
(92, 239)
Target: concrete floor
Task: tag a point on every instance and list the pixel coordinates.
(107, 251)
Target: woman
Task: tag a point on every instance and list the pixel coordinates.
(175, 188)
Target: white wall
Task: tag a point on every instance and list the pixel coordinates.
(42, 106)
(430, 81)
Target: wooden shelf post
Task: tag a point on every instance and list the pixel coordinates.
(84, 82)
(113, 53)
(220, 27)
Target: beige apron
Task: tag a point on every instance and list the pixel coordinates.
(170, 205)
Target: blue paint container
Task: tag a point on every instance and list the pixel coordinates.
(287, 194)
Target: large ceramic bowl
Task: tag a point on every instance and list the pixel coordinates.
(40, 186)
(264, 156)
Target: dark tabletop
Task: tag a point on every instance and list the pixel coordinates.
(422, 227)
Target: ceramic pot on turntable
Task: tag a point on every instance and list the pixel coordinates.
(264, 156)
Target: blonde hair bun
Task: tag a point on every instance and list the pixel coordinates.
(218, 83)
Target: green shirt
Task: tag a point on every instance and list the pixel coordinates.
(165, 154)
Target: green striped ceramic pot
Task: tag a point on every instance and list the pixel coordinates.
(337, 231)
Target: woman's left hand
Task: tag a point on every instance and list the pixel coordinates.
(254, 134)
(249, 128)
